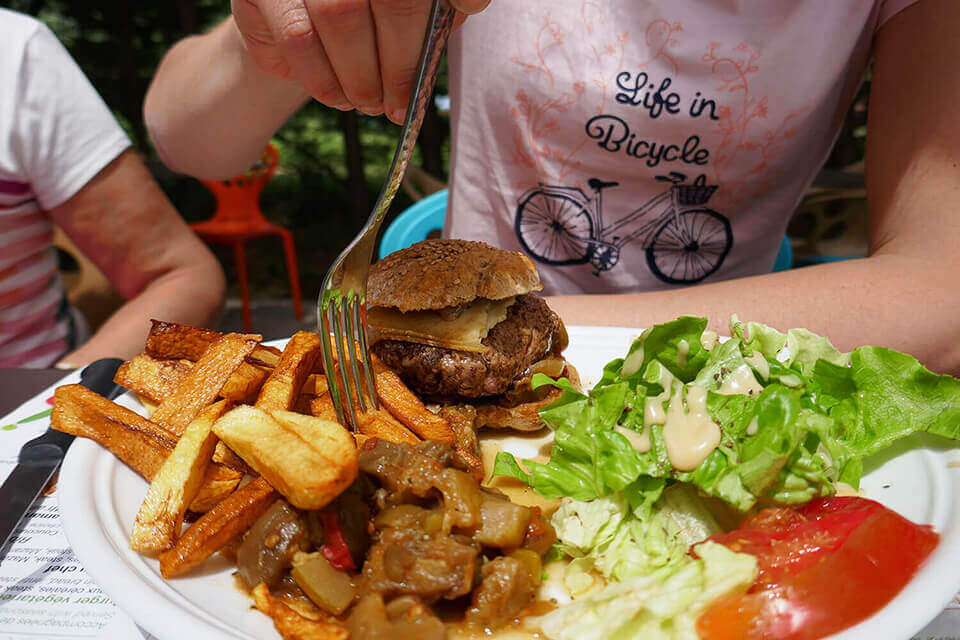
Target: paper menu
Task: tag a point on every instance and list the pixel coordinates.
(43, 588)
(46, 593)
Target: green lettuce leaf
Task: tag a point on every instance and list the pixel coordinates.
(881, 397)
(818, 414)
(635, 531)
(798, 349)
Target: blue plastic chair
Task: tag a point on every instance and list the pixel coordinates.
(784, 259)
(427, 215)
(415, 223)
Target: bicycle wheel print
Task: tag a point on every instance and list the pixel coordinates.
(689, 247)
(554, 228)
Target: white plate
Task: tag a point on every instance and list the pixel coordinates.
(99, 499)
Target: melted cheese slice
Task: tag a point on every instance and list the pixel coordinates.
(462, 331)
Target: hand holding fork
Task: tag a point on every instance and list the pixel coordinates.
(341, 307)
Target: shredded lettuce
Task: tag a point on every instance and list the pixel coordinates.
(662, 604)
(811, 415)
(633, 532)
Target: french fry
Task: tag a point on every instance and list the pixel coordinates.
(169, 340)
(302, 405)
(375, 424)
(293, 626)
(314, 387)
(173, 341)
(322, 407)
(378, 423)
(316, 384)
(202, 386)
(407, 407)
(282, 388)
(308, 460)
(222, 454)
(154, 379)
(218, 527)
(361, 439)
(218, 483)
(137, 442)
(245, 383)
(157, 379)
(175, 485)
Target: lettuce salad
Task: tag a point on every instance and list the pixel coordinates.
(793, 417)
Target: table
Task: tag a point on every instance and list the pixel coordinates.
(19, 385)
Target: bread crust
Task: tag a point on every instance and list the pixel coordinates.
(442, 273)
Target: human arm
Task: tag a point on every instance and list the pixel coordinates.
(233, 111)
(904, 295)
(125, 224)
(246, 76)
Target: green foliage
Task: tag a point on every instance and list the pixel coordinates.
(119, 47)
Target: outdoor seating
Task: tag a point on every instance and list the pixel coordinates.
(239, 219)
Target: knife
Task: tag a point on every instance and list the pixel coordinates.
(41, 457)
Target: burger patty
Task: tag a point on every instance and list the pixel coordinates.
(525, 336)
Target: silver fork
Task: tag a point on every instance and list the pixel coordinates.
(341, 306)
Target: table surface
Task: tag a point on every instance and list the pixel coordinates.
(19, 385)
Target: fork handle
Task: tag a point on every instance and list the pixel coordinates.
(434, 43)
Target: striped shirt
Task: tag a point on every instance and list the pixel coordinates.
(56, 134)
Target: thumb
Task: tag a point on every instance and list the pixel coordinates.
(469, 6)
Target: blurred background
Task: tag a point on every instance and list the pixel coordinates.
(332, 165)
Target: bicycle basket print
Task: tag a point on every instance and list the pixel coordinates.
(684, 240)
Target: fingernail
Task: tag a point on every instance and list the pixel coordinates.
(397, 115)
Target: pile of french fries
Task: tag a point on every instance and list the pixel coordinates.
(235, 426)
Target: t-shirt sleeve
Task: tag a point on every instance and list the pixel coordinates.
(890, 8)
(67, 134)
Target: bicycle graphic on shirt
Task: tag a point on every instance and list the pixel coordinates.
(684, 241)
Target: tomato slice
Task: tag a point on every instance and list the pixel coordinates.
(845, 585)
(335, 548)
(786, 541)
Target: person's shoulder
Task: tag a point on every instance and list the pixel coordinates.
(19, 26)
(17, 30)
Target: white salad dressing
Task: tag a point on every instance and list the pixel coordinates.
(708, 339)
(740, 381)
(844, 489)
(791, 380)
(632, 363)
(638, 440)
(753, 427)
(689, 434)
(653, 412)
(683, 350)
(759, 364)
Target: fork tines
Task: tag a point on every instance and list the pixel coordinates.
(347, 360)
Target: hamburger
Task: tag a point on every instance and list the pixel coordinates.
(459, 323)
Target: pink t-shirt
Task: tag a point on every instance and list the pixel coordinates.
(630, 146)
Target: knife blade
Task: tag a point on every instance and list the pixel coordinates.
(41, 457)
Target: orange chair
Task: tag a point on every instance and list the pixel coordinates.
(238, 219)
